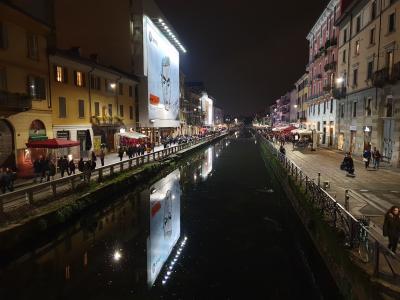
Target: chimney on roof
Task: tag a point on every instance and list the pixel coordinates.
(76, 51)
(94, 57)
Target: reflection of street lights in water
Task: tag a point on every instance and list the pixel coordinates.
(117, 255)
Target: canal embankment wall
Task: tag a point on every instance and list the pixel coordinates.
(45, 222)
(355, 263)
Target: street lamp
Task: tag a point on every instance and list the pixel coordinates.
(113, 85)
(339, 80)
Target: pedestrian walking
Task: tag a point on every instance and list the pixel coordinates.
(51, 172)
(94, 158)
(120, 153)
(44, 165)
(81, 165)
(373, 153)
(377, 159)
(282, 150)
(102, 155)
(63, 165)
(87, 171)
(367, 157)
(391, 227)
(37, 169)
(71, 167)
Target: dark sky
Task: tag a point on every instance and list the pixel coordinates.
(248, 53)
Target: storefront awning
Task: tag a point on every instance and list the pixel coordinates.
(133, 135)
(52, 144)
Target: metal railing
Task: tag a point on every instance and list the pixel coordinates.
(38, 193)
(364, 245)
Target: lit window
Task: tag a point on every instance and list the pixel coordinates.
(79, 78)
(59, 74)
(357, 47)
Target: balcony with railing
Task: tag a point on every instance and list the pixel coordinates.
(330, 67)
(339, 93)
(386, 76)
(331, 43)
(12, 103)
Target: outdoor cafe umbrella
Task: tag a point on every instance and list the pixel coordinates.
(52, 144)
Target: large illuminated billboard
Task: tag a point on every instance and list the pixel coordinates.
(165, 223)
(161, 66)
(208, 110)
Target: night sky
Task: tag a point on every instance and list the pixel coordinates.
(248, 53)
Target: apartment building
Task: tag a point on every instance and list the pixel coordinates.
(25, 106)
(92, 103)
(321, 103)
(302, 90)
(369, 73)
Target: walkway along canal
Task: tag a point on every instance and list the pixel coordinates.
(217, 227)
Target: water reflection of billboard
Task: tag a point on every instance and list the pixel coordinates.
(207, 164)
(207, 107)
(164, 223)
(162, 71)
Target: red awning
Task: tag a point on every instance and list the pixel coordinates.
(52, 144)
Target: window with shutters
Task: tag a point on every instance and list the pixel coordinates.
(95, 82)
(33, 48)
(60, 74)
(392, 22)
(81, 108)
(331, 110)
(121, 111)
(131, 112)
(3, 36)
(36, 87)
(110, 110)
(62, 107)
(130, 91)
(3, 79)
(121, 88)
(370, 70)
(97, 109)
(79, 78)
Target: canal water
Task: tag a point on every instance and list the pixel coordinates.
(218, 227)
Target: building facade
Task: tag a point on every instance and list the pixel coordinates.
(369, 70)
(321, 103)
(302, 88)
(91, 102)
(146, 45)
(293, 116)
(25, 105)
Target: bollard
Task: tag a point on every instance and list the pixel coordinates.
(319, 179)
(111, 170)
(130, 164)
(346, 200)
(377, 256)
(121, 166)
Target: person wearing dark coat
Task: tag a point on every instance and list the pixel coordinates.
(81, 165)
(37, 169)
(120, 153)
(391, 227)
(71, 166)
(94, 158)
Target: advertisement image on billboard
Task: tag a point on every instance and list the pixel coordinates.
(162, 71)
(165, 225)
(208, 111)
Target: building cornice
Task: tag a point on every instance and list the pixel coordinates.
(322, 19)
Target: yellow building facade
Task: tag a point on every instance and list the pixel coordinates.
(25, 106)
(91, 103)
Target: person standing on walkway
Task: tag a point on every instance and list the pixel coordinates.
(373, 153)
(63, 165)
(51, 170)
(377, 159)
(71, 166)
(367, 157)
(37, 169)
(94, 157)
(81, 165)
(120, 153)
(102, 155)
(391, 227)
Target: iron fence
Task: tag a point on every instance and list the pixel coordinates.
(33, 196)
(364, 245)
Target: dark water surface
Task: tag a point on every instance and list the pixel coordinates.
(218, 227)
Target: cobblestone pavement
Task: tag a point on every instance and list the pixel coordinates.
(372, 192)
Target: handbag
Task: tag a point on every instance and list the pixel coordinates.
(365, 159)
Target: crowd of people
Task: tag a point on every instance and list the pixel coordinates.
(373, 155)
